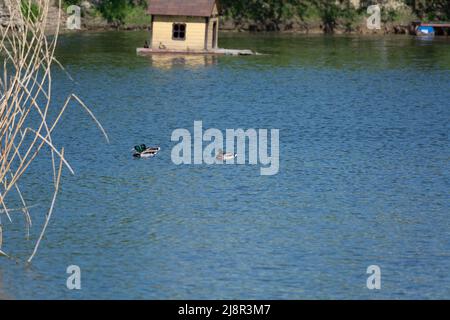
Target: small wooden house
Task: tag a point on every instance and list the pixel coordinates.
(184, 25)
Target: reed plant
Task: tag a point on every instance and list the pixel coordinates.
(27, 55)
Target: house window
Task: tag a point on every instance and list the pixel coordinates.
(179, 31)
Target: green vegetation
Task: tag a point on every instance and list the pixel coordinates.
(114, 10)
(330, 13)
(71, 2)
(430, 10)
(121, 12)
(136, 16)
(275, 15)
(30, 10)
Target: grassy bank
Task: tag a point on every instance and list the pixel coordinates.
(112, 14)
(307, 16)
(317, 17)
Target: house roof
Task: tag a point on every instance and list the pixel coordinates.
(193, 8)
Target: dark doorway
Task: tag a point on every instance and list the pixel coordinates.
(214, 35)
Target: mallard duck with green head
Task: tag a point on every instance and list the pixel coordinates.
(142, 151)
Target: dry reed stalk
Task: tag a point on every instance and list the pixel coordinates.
(26, 90)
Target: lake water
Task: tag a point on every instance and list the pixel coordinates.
(364, 173)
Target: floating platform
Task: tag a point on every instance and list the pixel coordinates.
(226, 52)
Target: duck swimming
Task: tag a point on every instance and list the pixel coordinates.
(221, 155)
(142, 151)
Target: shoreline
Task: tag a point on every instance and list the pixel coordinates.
(377, 33)
(391, 30)
(352, 21)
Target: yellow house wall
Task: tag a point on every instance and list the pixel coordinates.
(195, 33)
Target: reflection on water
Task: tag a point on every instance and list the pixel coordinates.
(164, 61)
(364, 173)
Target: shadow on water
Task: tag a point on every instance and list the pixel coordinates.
(181, 61)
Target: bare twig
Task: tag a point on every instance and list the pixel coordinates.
(26, 94)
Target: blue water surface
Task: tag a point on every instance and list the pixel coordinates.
(364, 173)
